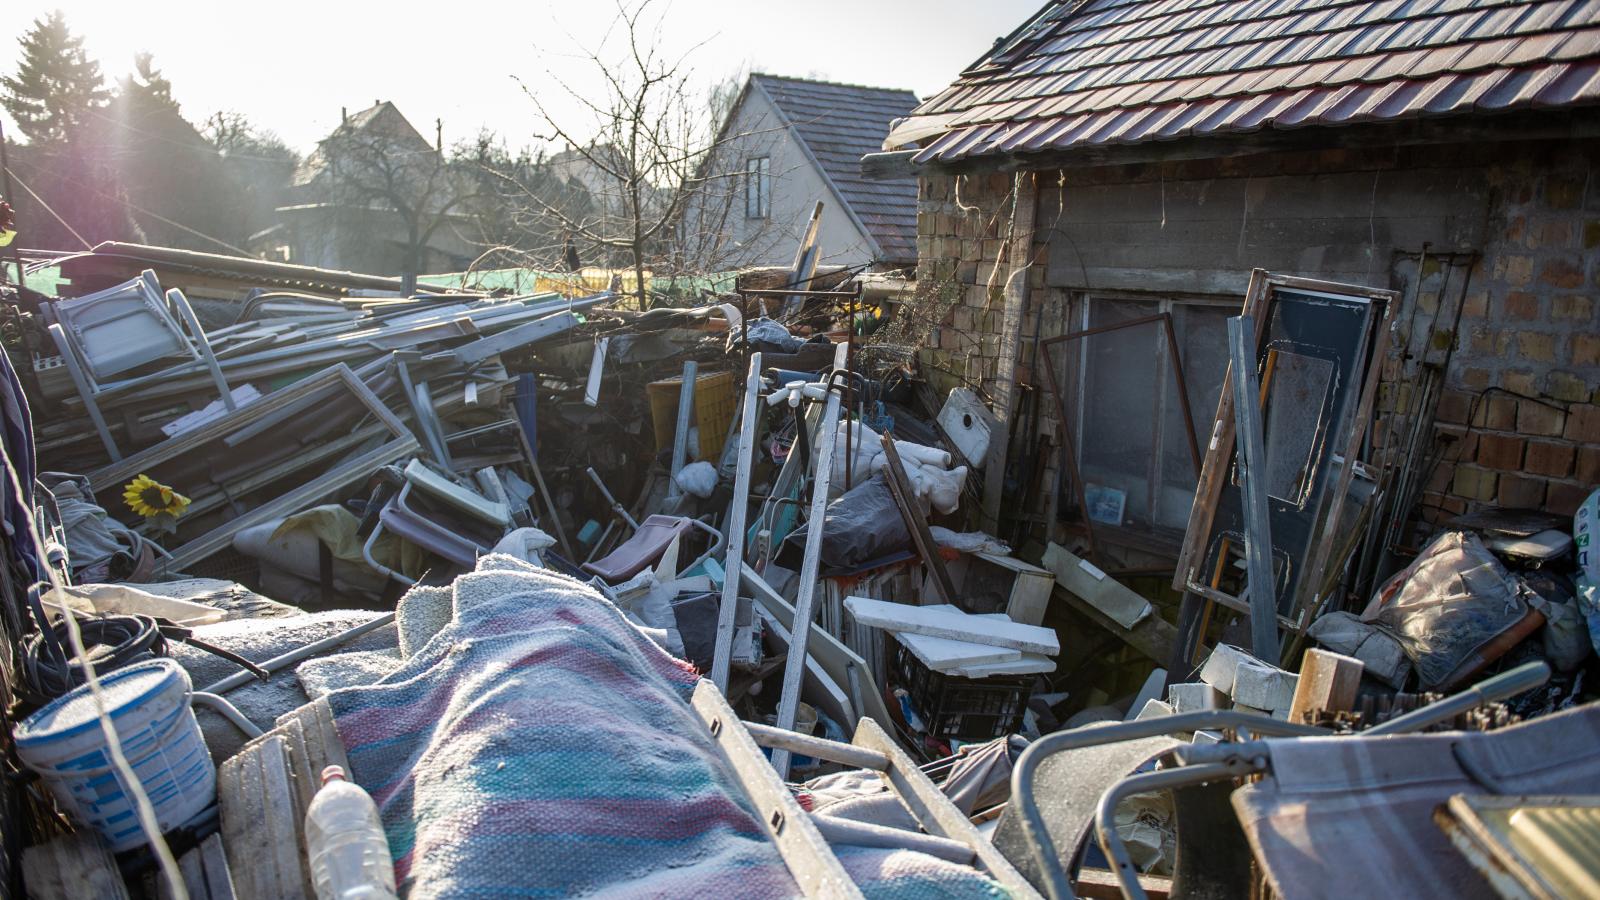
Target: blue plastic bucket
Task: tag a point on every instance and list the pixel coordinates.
(149, 707)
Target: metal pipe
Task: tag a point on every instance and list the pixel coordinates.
(1507, 684)
(821, 748)
(862, 834)
(1105, 818)
(680, 437)
(616, 507)
(285, 660)
(228, 711)
(1057, 886)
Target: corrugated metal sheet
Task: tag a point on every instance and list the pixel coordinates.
(1125, 71)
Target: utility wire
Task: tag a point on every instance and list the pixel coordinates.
(140, 210)
(48, 209)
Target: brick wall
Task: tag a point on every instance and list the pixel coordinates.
(1518, 418)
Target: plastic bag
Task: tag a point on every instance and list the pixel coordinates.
(862, 525)
(1449, 606)
(698, 478)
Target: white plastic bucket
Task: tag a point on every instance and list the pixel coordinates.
(149, 707)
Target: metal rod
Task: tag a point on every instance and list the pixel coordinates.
(735, 530)
(1252, 467)
(1024, 771)
(821, 748)
(680, 437)
(285, 660)
(862, 834)
(1106, 814)
(1507, 684)
(228, 711)
(810, 567)
(621, 512)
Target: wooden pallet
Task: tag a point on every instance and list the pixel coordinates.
(263, 791)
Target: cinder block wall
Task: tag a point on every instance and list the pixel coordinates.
(1518, 420)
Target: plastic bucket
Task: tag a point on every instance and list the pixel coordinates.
(149, 707)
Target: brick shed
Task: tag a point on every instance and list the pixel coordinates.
(1114, 159)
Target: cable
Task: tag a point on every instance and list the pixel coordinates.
(127, 639)
(48, 209)
(126, 776)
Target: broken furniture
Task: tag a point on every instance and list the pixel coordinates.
(1318, 347)
(440, 516)
(120, 329)
(1302, 856)
(641, 550)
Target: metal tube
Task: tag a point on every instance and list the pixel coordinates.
(862, 834)
(1026, 767)
(1105, 818)
(285, 660)
(1510, 683)
(228, 711)
(616, 507)
(821, 748)
(680, 437)
(735, 532)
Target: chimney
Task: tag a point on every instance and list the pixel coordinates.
(438, 135)
(344, 115)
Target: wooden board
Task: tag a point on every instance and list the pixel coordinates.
(1328, 682)
(72, 867)
(901, 617)
(1116, 600)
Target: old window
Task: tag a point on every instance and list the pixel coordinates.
(758, 187)
(1133, 444)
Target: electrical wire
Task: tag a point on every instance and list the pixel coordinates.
(127, 639)
(49, 209)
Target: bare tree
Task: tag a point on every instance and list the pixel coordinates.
(393, 171)
(639, 149)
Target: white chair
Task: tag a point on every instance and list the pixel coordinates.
(114, 331)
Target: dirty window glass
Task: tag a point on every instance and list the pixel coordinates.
(1296, 396)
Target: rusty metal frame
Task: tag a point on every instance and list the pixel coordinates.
(1165, 319)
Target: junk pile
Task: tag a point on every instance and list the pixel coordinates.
(598, 598)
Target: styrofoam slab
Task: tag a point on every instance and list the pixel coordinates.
(901, 617)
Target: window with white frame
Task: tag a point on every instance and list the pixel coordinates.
(758, 187)
(1133, 444)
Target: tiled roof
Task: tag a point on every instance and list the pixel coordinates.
(1089, 72)
(839, 124)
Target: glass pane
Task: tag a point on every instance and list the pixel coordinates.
(1119, 411)
(1202, 334)
(1296, 395)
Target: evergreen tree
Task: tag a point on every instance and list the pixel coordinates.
(57, 84)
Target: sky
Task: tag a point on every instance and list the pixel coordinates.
(290, 65)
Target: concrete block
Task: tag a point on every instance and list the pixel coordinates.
(1153, 709)
(1195, 697)
(1263, 686)
(1220, 665)
(1206, 737)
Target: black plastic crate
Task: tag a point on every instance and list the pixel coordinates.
(967, 709)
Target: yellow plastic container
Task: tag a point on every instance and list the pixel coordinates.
(714, 405)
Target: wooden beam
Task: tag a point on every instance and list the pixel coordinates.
(1019, 259)
(1153, 637)
(1328, 682)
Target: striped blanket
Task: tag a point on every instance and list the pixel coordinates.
(540, 745)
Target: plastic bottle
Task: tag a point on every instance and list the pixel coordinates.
(344, 837)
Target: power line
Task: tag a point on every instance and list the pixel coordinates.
(187, 146)
(48, 209)
(138, 209)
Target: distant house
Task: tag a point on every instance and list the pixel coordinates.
(786, 144)
(374, 197)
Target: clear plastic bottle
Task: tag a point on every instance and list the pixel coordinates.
(344, 837)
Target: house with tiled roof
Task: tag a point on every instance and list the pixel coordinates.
(1114, 160)
(785, 145)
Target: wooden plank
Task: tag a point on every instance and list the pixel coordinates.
(735, 530)
(937, 815)
(1154, 637)
(1252, 467)
(916, 521)
(806, 854)
(1218, 452)
(219, 879)
(241, 810)
(72, 867)
(279, 833)
(902, 617)
(941, 654)
(194, 877)
(1019, 258)
(810, 566)
(1328, 682)
(1118, 602)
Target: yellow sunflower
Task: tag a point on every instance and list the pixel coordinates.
(149, 498)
